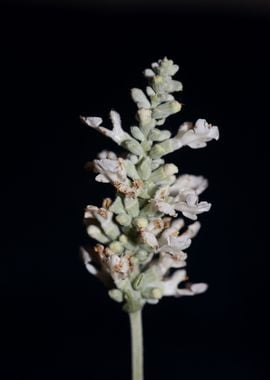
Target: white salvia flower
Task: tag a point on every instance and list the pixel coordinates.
(150, 239)
(188, 182)
(175, 244)
(87, 261)
(173, 230)
(160, 203)
(188, 203)
(165, 207)
(167, 261)
(197, 136)
(170, 286)
(150, 232)
(107, 154)
(140, 254)
(117, 134)
(119, 267)
(110, 170)
(192, 230)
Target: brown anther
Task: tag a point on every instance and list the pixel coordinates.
(106, 203)
(158, 223)
(99, 248)
(125, 189)
(137, 183)
(131, 263)
(103, 212)
(167, 222)
(108, 251)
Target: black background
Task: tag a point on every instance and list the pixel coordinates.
(58, 63)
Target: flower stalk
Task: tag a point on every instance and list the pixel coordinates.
(136, 329)
(141, 235)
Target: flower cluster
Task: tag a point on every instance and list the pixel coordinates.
(142, 234)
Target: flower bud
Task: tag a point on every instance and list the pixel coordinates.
(116, 295)
(137, 133)
(117, 206)
(133, 146)
(166, 109)
(140, 222)
(140, 98)
(123, 219)
(161, 149)
(132, 206)
(144, 168)
(116, 247)
(95, 233)
(131, 170)
(157, 135)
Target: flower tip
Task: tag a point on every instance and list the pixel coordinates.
(199, 288)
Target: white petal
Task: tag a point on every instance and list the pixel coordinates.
(167, 261)
(170, 286)
(92, 121)
(175, 244)
(199, 288)
(188, 182)
(150, 239)
(87, 261)
(192, 230)
(165, 207)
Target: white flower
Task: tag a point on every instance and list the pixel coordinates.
(165, 207)
(188, 182)
(170, 286)
(150, 239)
(173, 230)
(176, 227)
(119, 267)
(110, 170)
(117, 134)
(167, 261)
(149, 233)
(188, 203)
(107, 154)
(160, 201)
(197, 136)
(87, 261)
(101, 214)
(175, 244)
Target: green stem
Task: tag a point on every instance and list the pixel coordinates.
(136, 344)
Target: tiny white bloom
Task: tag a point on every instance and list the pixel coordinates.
(165, 207)
(110, 170)
(175, 244)
(118, 266)
(197, 136)
(87, 261)
(149, 238)
(170, 286)
(167, 261)
(188, 203)
(117, 134)
(189, 182)
(173, 230)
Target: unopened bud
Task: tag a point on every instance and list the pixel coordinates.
(140, 222)
(123, 219)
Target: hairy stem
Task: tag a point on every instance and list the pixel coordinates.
(136, 344)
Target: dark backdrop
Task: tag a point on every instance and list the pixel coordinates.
(58, 63)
